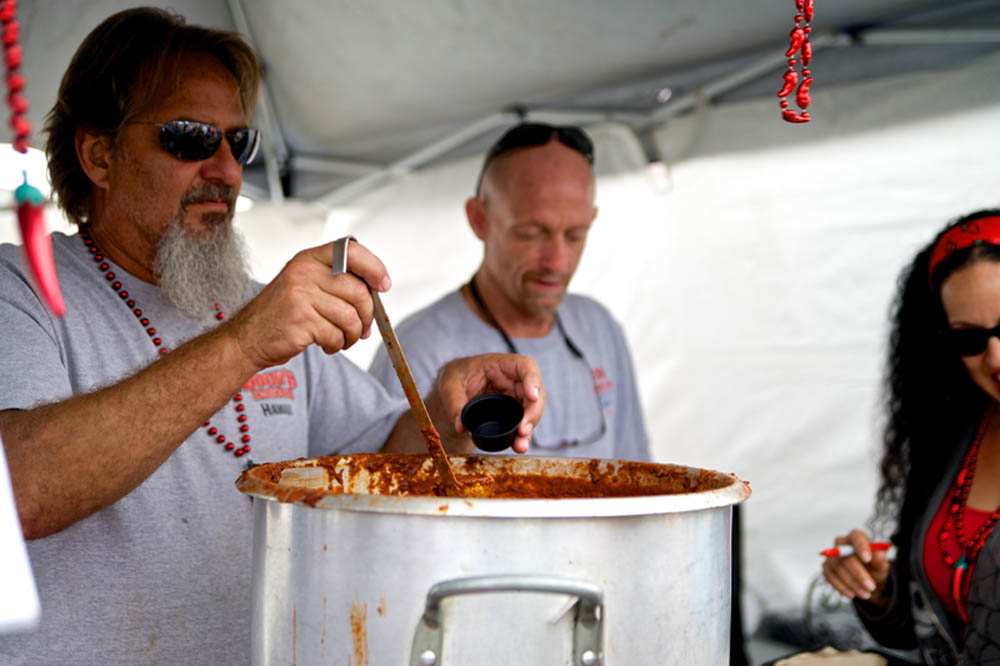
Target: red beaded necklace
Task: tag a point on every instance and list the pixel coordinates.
(953, 525)
(115, 283)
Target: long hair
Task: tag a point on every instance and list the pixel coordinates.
(930, 400)
(120, 69)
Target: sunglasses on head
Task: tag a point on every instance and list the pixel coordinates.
(528, 135)
(193, 141)
(970, 341)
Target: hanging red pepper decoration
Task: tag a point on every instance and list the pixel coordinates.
(38, 246)
(30, 202)
(797, 38)
(802, 96)
(791, 79)
(798, 45)
(806, 7)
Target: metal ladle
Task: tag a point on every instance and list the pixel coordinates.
(417, 406)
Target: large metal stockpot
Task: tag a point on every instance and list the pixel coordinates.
(607, 562)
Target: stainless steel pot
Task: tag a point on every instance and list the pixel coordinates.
(349, 570)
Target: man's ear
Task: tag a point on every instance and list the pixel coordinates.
(93, 149)
(475, 212)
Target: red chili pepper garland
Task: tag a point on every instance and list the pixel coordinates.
(798, 44)
(30, 202)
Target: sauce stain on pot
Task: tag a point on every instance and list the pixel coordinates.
(359, 632)
(322, 637)
(295, 638)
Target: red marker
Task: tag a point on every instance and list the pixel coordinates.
(844, 551)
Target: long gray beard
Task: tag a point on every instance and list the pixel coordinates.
(198, 270)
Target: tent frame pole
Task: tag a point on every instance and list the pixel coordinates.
(417, 159)
(725, 84)
(272, 140)
(914, 37)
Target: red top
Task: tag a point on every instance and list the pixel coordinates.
(939, 574)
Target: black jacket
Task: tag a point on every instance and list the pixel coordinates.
(915, 618)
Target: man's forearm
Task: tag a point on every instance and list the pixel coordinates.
(73, 458)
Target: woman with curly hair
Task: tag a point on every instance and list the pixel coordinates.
(940, 468)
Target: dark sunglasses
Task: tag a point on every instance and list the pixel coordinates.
(527, 135)
(970, 341)
(193, 141)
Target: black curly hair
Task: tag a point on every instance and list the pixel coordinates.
(931, 402)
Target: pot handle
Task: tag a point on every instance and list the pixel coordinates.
(588, 617)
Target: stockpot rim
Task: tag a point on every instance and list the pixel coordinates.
(735, 492)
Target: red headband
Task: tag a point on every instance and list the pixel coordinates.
(961, 236)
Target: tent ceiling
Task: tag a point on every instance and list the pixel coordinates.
(374, 81)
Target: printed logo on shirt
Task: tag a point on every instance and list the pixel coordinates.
(272, 409)
(269, 385)
(604, 387)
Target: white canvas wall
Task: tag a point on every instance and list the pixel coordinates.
(784, 247)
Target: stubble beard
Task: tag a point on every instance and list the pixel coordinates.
(541, 305)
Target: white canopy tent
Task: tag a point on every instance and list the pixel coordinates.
(751, 262)
(376, 89)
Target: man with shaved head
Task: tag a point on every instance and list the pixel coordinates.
(533, 209)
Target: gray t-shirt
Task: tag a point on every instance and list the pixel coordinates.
(163, 575)
(580, 392)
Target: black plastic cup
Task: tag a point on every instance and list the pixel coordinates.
(492, 420)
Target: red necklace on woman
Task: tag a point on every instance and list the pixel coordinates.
(238, 407)
(953, 526)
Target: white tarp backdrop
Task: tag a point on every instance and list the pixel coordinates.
(752, 273)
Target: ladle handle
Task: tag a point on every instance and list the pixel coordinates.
(392, 345)
(401, 366)
(395, 351)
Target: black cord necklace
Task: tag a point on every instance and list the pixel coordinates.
(492, 321)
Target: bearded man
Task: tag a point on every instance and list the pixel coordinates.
(126, 422)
